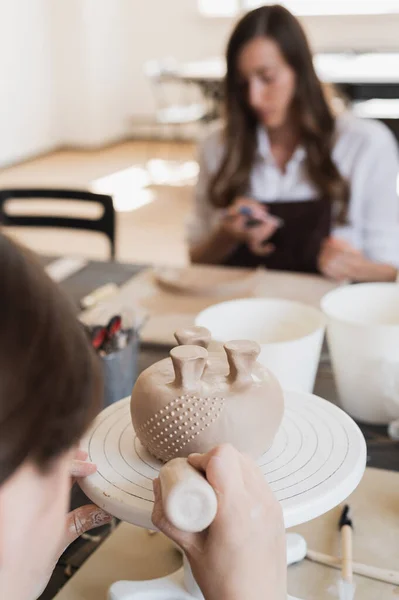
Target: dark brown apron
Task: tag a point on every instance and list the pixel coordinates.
(297, 243)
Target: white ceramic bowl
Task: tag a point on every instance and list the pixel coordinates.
(363, 338)
(289, 333)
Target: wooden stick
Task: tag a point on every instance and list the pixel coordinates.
(384, 575)
(346, 549)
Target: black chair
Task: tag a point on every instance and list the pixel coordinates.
(105, 224)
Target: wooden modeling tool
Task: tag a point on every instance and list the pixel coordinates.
(346, 585)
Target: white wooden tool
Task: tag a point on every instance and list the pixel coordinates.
(189, 502)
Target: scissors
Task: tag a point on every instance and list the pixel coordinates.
(102, 337)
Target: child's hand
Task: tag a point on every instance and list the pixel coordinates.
(86, 517)
(81, 519)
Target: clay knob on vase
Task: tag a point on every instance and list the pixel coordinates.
(241, 356)
(189, 364)
(197, 336)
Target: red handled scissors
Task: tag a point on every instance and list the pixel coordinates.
(100, 335)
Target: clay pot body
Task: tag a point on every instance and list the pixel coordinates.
(195, 400)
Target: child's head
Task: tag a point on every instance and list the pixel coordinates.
(50, 389)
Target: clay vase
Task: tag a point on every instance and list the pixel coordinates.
(195, 400)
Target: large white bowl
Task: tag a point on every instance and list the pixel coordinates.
(363, 338)
(289, 333)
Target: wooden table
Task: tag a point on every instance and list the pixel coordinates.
(171, 307)
(129, 552)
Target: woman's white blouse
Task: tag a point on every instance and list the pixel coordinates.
(366, 154)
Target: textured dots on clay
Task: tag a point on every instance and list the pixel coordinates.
(177, 421)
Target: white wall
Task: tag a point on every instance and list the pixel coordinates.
(27, 117)
(363, 32)
(94, 49)
(71, 71)
(70, 78)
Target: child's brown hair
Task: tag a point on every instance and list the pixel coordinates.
(50, 379)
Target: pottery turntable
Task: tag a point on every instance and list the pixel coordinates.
(316, 460)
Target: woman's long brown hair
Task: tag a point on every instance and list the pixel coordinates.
(315, 118)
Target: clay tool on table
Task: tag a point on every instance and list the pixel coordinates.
(64, 267)
(369, 571)
(297, 551)
(98, 295)
(346, 586)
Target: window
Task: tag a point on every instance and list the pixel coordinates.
(229, 8)
(219, 8)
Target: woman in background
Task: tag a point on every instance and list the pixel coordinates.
(50, 390)
(285, 183)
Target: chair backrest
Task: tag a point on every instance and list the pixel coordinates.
(104, 224)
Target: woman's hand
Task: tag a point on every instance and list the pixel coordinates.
(243, 553)
(81, 519)
(339, 261)
(234, 224)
